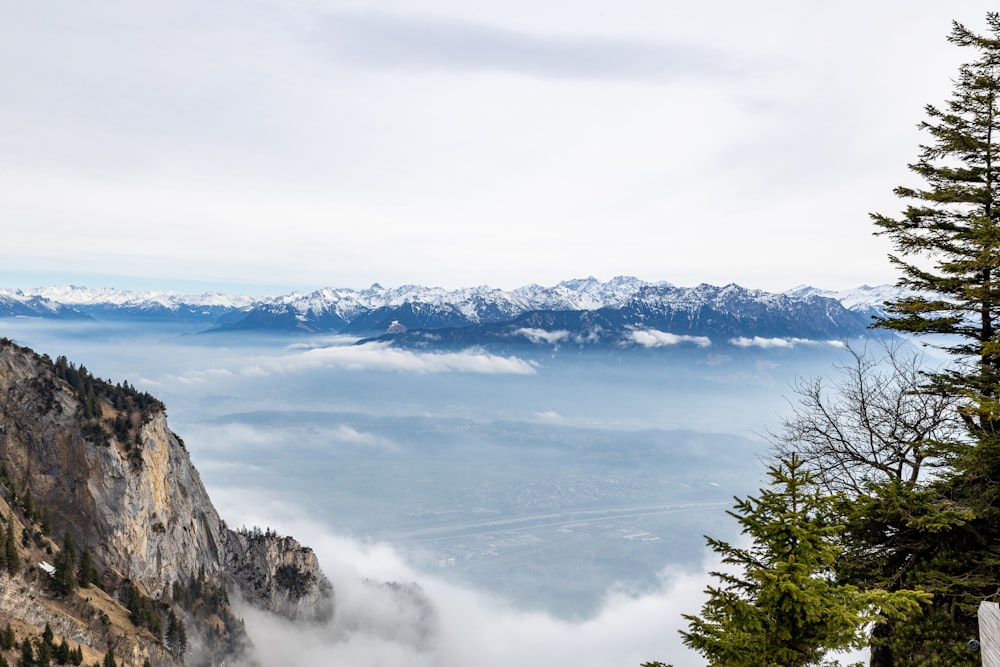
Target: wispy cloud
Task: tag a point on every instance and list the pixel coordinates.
(382, 357)
(771, 343)
(541, 335)
(226, 438)
(202, 376)
(352, 436)
(654, 338)
(424, 43)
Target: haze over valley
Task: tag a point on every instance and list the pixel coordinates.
(553, 491)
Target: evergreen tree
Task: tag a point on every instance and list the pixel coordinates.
(7, 638)
(948, 250)
(64, 578)
(781, 605)
(27, 654)
(44, 657)
(885, 442)
(176, 637)
(29, 505)
(109, 659)
(13, 560)
(62, 652)
(86, 572)
(948, 237)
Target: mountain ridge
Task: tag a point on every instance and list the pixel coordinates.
(377, 310)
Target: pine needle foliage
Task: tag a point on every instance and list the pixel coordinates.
(777, 602)
(947, 240)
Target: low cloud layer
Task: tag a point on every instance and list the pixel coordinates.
(542, 336)
(225, 439)
(381, 357)
(654, 338)
(376, 357)
(424, 620)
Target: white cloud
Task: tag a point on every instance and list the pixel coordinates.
(203, 375)
(419, 44)
(541, 335)
(770, 343)
(224, 440)
(350, 435)
(654, 338)
(374, 627)
(382, 357)
(323, 341)
(765, 343)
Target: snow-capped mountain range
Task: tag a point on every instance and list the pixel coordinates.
(619, 305)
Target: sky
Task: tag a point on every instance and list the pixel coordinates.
(263, 146)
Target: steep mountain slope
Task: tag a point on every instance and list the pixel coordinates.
(868, 300)
(18, 304)
(94, 468)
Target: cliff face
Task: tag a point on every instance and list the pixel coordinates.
(100, 464)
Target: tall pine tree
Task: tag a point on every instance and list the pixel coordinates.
(948, 238)
(947, 244)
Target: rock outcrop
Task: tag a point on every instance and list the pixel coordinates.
(279, 574)
(97, 466)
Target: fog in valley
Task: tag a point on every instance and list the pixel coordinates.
(544, 506)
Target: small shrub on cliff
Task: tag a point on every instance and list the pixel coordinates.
(95, 433)
(294, 579)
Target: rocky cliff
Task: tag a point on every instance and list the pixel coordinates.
(90, 467)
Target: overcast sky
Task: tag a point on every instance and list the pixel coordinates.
(265, 146)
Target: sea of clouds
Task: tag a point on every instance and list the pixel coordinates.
(374, 626)
(390, 611)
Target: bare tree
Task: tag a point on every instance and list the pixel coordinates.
(876, 420)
